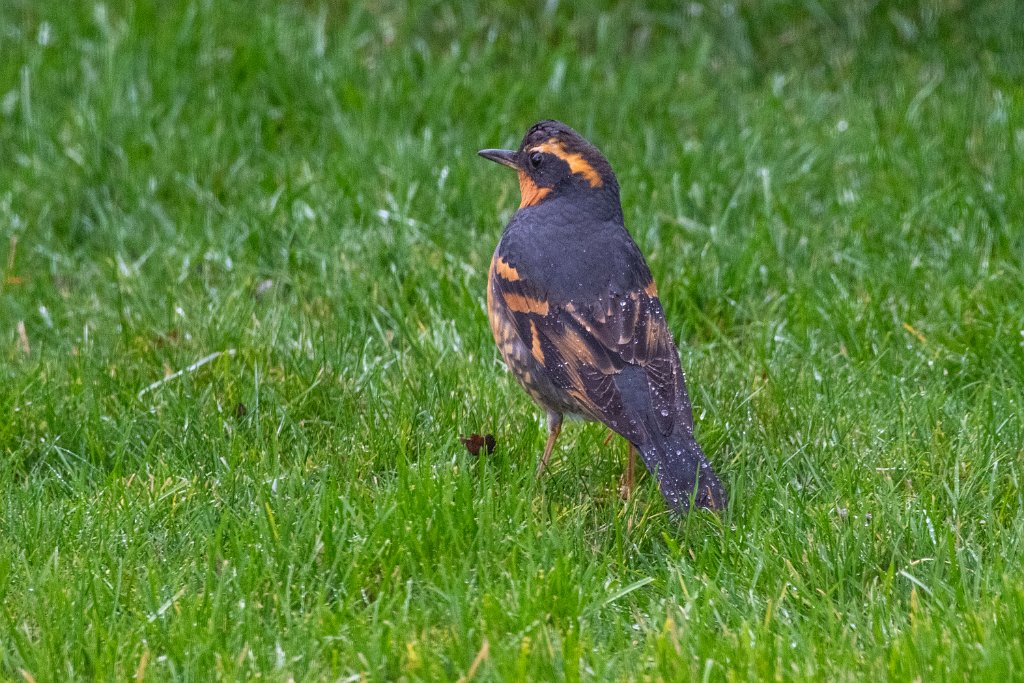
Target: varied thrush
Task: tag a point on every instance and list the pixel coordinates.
(576, 315)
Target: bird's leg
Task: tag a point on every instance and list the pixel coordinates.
(554, 428)
(628, 481)
(608, 438)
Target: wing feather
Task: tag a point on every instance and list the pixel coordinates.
(614, 356)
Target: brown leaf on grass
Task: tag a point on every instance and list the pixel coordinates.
(475, 442)
(167, 338)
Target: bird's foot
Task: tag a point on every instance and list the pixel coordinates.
(542, 465)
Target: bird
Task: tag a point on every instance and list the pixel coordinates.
(575, 314)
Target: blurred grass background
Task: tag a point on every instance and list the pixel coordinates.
(830, 197)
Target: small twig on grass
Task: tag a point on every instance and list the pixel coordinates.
(485, 649)
(920, 337)
(9, 277)
(192, 368)
(140, 670)
(23, 344)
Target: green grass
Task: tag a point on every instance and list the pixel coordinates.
(831, 199)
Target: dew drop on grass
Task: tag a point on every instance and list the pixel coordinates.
(45, 34)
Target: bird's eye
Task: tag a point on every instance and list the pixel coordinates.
(535, 159)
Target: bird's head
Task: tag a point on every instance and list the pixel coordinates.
(554, 160)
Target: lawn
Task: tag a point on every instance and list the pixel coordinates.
(242, 327)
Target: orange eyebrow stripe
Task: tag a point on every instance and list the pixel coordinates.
(505, 271)
(577, 164)
(519, 303)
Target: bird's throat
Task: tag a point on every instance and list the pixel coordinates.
(532, 193)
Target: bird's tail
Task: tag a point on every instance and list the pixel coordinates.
(683, 472)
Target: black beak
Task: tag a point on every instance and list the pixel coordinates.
(505, 157)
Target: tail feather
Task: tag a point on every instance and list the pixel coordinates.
(683, 472)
